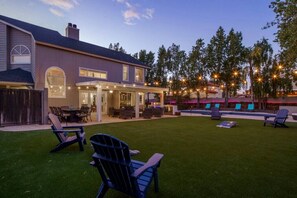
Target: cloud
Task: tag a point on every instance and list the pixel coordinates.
(132, 13)
(148, 13)
(56, 12)
(130, 16)
(61, 4)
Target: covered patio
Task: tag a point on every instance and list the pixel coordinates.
(116, 95)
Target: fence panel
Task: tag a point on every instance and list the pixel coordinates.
(19, 106)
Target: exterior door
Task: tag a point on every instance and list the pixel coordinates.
(104, 103)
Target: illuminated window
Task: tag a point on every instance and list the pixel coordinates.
(139, 75)
(55, 81)
(20, 54)
(125, 73)
(84, 72)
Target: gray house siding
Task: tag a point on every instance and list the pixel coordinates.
(17, 37)
(70, 62)
(3, 47)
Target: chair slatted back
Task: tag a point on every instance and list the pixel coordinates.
(281, 116)
(115, 163)
(251, 107)
(56, 125)
(238, 106)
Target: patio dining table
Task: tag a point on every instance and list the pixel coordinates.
(73, 114)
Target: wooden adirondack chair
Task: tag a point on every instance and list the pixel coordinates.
(215, 113)
(62, 134)
(118, 171)
(279, 118)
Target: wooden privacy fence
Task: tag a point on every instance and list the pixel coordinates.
(19, 106)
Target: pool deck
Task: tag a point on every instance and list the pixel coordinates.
(233, 114)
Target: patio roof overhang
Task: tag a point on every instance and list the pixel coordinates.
(122, 86)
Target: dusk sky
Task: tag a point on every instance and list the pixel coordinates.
(148, 24)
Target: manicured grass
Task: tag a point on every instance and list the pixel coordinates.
(200, 160)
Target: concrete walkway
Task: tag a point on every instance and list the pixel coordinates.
(105, 120)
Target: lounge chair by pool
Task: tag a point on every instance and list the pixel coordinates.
(207, 106)
(251, 107)
(237, 107)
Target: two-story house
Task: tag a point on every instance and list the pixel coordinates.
(72, 72)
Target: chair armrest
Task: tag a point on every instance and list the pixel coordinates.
(92, 163)
(134, 152)
(269, 116)
(73, 127)
(152, 162)
(67, 131)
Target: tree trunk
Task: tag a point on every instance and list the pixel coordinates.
(226, 96)
(198, 99)
(252, 81)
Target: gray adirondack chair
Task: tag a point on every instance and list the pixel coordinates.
(279, 119)
(62, 134)
(215, 113)
(118, 171)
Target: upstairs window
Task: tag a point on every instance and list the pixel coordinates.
(139, 75)
(20, 54)
(55, 81)
(125, 73)
(84, 72)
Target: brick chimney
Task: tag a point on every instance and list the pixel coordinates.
(72, 31)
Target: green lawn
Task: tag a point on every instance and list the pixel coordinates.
(200, 160)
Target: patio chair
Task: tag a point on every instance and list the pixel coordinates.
(158, 111)
(279, 118)
(215, 113)
(237, 107)
(217, 106)
(251, 107)
(62, 134)
(118, 171)
(207, 106)
(147, 113)
(126, 113)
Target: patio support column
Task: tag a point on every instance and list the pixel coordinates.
(162, 99)
(137, 105)
(99, 104)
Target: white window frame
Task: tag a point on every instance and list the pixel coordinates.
(92, 70)
(127, 66)
(138, 81)
(20, 54)
(63, 86)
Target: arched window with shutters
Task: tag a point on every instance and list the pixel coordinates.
(20, 54)
(55, 81)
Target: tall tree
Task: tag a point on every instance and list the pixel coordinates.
(261, 59)
(161, 69)
(149, 60)
(117, 47)
(175, 61)
(225, 55)
(196, 72)
(286, 22)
